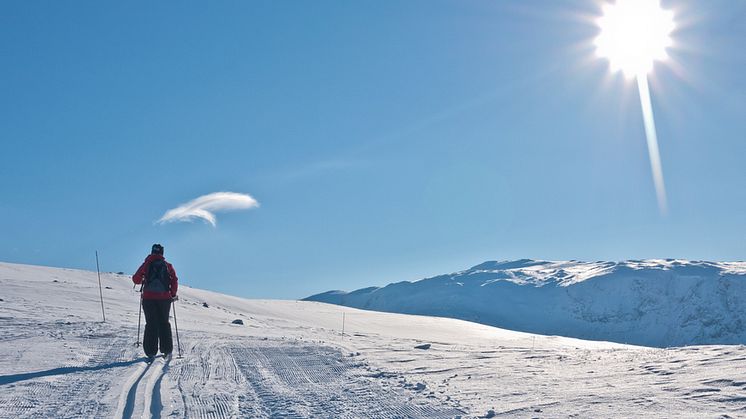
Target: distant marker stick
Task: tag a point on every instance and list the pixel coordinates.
(100, 291)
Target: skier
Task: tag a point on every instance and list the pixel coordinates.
(158, 291)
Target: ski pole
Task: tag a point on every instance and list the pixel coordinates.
(139, 316)
(178, 343)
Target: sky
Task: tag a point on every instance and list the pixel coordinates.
(382, 141)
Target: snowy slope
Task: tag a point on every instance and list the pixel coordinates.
(652, 302)
(290, 359)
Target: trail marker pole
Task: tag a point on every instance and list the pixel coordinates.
(343, 323)
(100, 291)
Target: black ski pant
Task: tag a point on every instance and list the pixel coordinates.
(157, 327)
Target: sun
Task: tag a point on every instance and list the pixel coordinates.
(634, 34)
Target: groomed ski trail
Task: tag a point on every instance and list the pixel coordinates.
(83, 385)
(268, 378)
(219, 376)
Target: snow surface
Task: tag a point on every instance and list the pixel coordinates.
(659, 303)
(290, 359)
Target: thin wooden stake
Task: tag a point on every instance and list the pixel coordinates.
(100, 291)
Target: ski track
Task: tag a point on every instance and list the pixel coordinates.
(156, 403)
(253, 377)
(143, 398)
(130, 395)
(218, 377)
(311, 381)
(225, 376)
(152, 405)
(80, 388)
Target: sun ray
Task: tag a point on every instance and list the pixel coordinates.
(652, 137)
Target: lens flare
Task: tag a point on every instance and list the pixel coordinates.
(634, 34)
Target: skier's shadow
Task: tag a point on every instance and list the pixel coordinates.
(14, 378)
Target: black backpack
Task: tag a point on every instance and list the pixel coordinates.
(157, 279)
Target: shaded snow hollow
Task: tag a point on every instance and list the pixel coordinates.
(658, 303)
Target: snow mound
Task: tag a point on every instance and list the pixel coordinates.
(655, 302)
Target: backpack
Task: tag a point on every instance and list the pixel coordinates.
(157, 279)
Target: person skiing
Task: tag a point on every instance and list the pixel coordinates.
(158, 291)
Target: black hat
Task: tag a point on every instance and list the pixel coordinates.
(157, 249)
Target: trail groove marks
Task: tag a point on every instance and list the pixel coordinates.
(300, 380)
(247, 377)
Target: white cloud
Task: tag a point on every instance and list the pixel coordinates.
(206, 206)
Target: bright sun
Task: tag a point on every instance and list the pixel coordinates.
(634, 33)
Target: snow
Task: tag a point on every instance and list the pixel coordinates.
(659, 303)
(290, 359)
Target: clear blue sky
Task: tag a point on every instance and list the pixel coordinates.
(384, 140)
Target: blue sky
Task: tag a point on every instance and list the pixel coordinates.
(384, 141)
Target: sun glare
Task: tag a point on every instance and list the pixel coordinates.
(634, 33)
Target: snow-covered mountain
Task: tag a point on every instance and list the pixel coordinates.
(646, 302)
(291, 359)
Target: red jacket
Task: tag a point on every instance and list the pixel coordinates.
(138, 277)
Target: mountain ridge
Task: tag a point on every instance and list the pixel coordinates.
(652, 302)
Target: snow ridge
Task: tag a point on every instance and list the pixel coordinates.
(653, 302)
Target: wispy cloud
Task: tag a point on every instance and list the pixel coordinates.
(206, 206)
